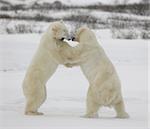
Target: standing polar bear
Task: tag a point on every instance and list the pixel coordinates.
(105, 87)
(43, 65)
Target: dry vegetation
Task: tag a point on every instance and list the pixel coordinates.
(125, 21)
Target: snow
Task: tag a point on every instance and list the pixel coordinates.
(134, 25)
(74, 2)
(67, 88)
(148, 84)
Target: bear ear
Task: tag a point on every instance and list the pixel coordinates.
(55, 29)
(81, 30)
(61, 21)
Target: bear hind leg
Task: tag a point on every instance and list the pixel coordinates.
(35, 101)
(92, 106)
(120, 110)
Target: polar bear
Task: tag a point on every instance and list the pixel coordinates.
(43, 65)
(105, 87)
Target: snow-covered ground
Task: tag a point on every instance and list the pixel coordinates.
(68, 87)
(73, 2)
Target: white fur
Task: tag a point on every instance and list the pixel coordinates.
(71, 43)
(105, 87)
(42, 67)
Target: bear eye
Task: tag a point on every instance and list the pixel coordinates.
(62, 38)
(73, 38)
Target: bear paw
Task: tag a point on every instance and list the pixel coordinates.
(123, 115)
(33, 113)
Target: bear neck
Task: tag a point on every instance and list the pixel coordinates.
(49, 40)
